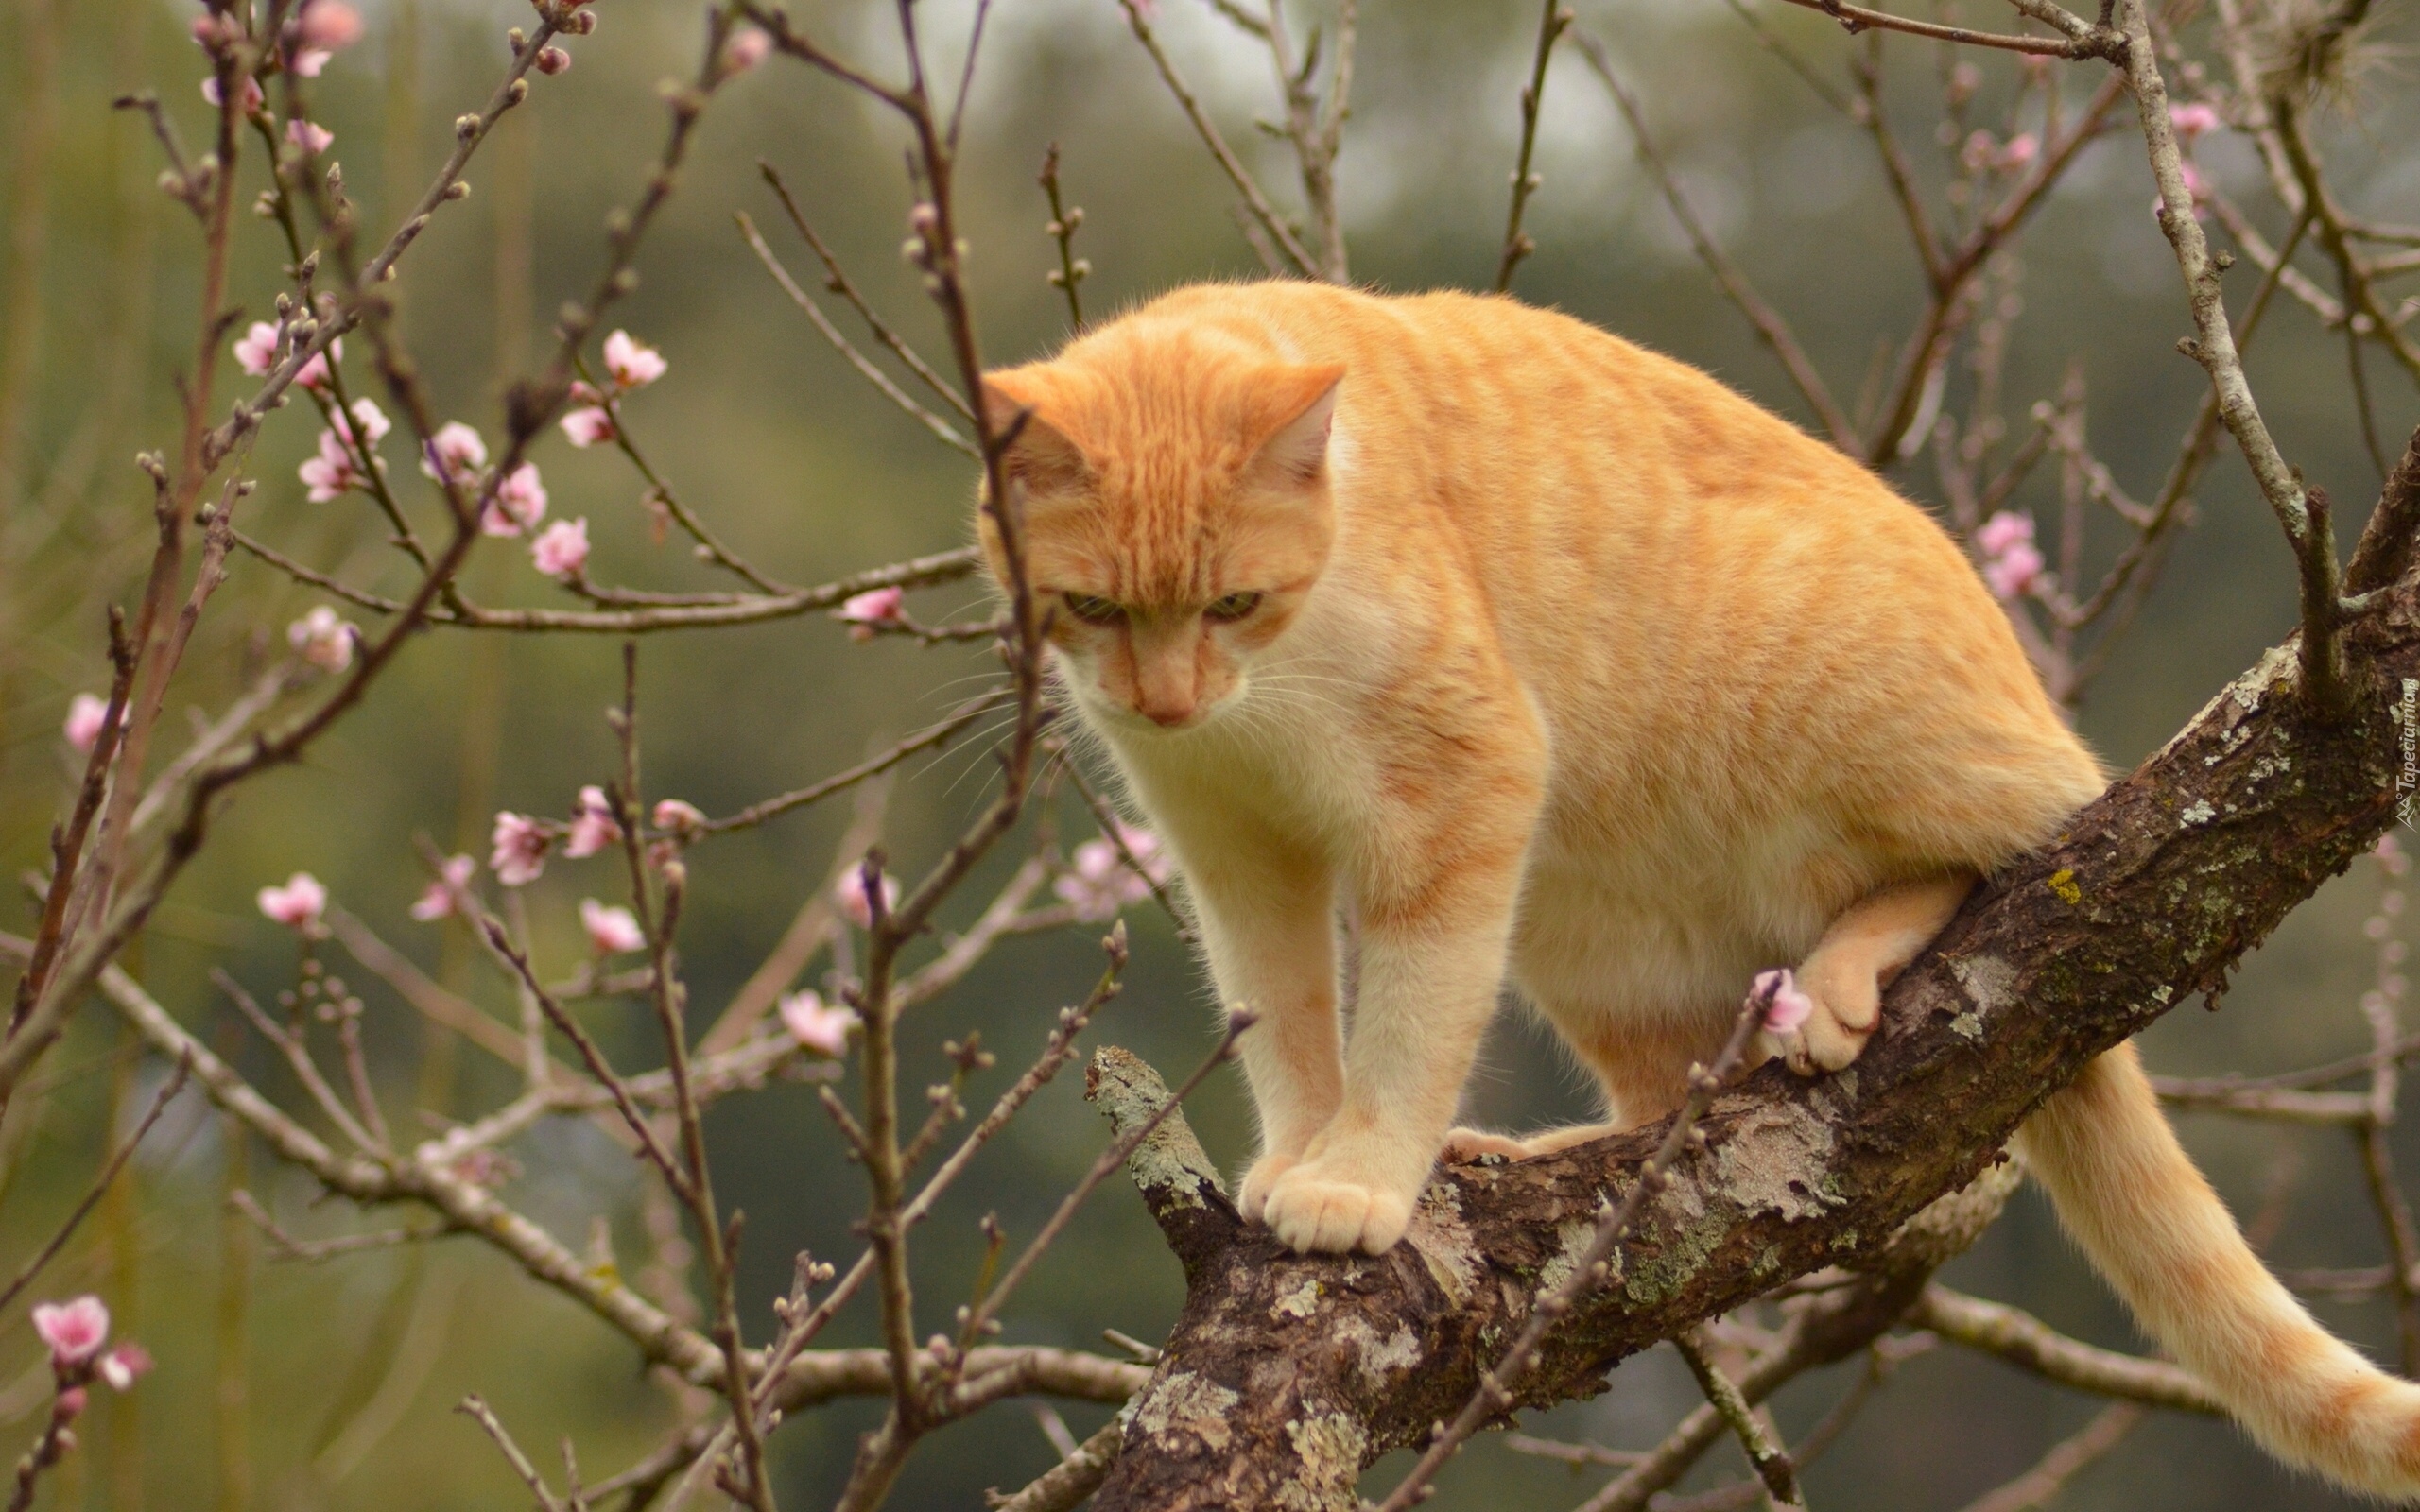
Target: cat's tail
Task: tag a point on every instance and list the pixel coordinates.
(2134, 1201)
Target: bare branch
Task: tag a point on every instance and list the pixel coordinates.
(2038, 1486)
(2027, 1342)
(1769, 326)
(1553, 17)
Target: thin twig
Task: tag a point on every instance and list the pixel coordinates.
(941, 428)
(1593, 1267)
(1107, 1163)
(2097, 43)
(1264, 215)
(837, 280)
(1064, 218)
(1770, 1463)
(479, 1412)
(2038, 1486)
(2026, 1341)
(1552, 19)
(1771, 327)
(109, 1168)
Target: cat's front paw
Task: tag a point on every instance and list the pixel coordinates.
(1252, 1199)
(1849, 1008)
(1463, 1145)
(1324, 1205)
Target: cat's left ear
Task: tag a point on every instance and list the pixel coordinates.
(1043, 455)
(1298, 407)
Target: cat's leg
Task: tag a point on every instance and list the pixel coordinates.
(1858, 955)
(1267, 922)
(1434, 932)
(1427, 988)
(1642, 1063)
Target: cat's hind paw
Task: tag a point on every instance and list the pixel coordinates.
(1849, 1008)
(1463, 1145)
(1315, 1209)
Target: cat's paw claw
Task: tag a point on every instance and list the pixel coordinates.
(1253, 1197)
(1466, 1145)
(1311, 1212)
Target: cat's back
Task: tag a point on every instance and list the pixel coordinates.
(1690, 585)
(1519, 421)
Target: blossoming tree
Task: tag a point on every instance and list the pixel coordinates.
(1286, 1376)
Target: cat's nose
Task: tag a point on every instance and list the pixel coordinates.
(1167, 716)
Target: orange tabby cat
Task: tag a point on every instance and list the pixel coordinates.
(1550, 657)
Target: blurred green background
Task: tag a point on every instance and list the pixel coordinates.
(285, 1385)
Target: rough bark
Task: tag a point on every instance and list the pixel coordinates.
(1285, 1375)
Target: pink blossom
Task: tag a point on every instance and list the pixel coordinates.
(851, 892)
(612, 931)
(590, 425)
(2013, 571)
(1788, 1006)
(70, 1405)
(367, 426)
(553, 61)
(314, 373)
(455, 454)
(2005, 529)
(879, 605)
(254, 98)
(210, 32)
(819, 1028)
(324, 640)
(124, 1366)
(519, 504)
(86, 714)
(256, 349)
(517, 849)
(745, 50)
(2020, 152)
(561, 549)
(308, 62)
(297, 905)
(437, 900)
(633, 364)
(2193, 120)
(329, 474)
(330, 26)
(591, 824)
(73, 1330)
(308, 135)
(1099, 881)
(671, 813)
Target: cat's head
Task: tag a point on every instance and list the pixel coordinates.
(1176, 511)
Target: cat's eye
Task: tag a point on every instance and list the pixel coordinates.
(1232, 607)
(1093, 609)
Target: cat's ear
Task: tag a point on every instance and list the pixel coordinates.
(1297, 408)
(1040, 454)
